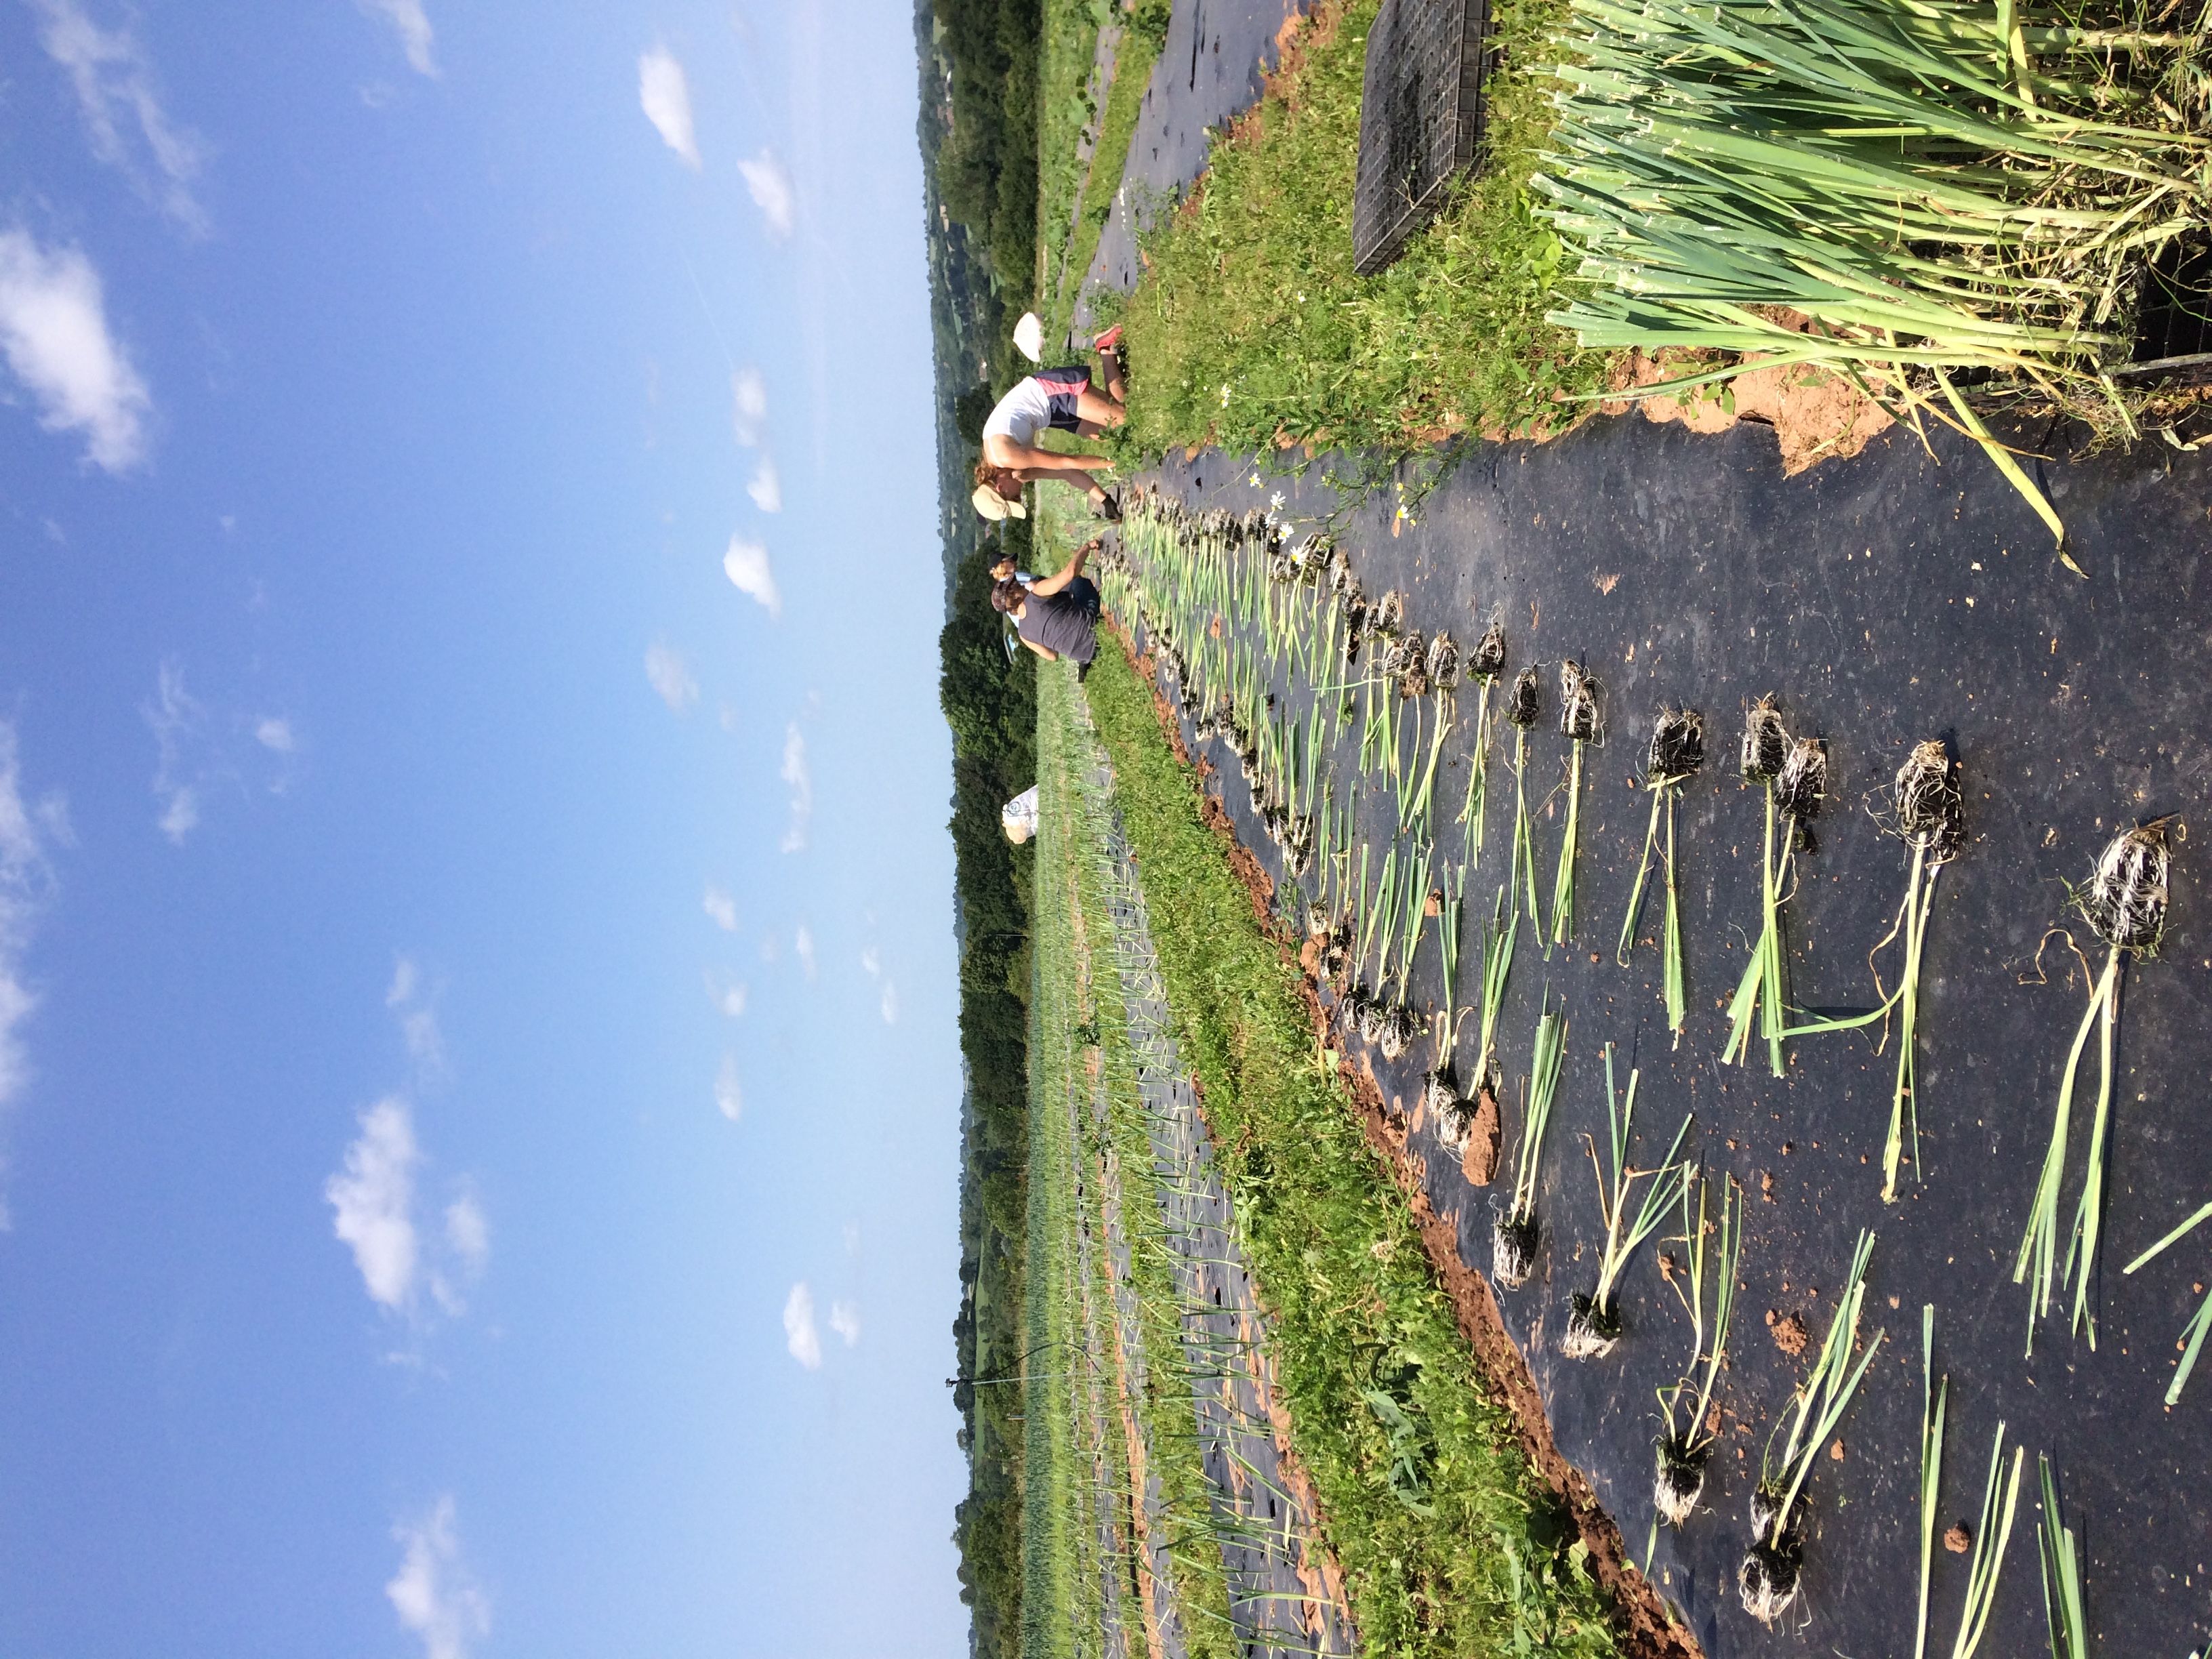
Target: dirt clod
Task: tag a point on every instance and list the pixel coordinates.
(1836, 1452)
(1956, 1539)
(1789, 1332)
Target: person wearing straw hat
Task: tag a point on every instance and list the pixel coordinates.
(1065, 400)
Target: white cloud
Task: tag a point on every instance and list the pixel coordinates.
(468, 1233)
(113, 81)
(799, 1334)
(728, 996)
(373, 1197)
(747, 567)
(274, 732)
(749, 406)
(669, 674)
(871, 961)
(802, 943)
(890, 1004)
(26, 885)
(771, 192)
(729, 1093)
(413, 25)
(845, 1319)
(795, 775)
(177, 719)
(766, 488)
(53, 329)
(728, 716)
(665, 96)
(720, 908)
(433, 1593)
(418, 1020)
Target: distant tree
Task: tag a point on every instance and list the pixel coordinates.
(970, 411)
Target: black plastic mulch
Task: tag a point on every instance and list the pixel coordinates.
(1884, 599)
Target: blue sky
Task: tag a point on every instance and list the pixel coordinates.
(478, 1087)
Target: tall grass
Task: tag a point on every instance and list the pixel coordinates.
(1249, 327)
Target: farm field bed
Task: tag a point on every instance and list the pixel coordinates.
(2061, 705)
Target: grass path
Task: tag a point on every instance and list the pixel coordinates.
(1250, 328)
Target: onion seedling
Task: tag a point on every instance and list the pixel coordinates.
(1593, 1323)
(1687, 1445)
(1995, 1523)
(1521, 707)
(1767, 1578)
(1678, 750)
(1499, 939)
(1928, 813)
(1514, 1234)
(1484, 664)
(2124, 904)
(1795, 777)
(1581, 724)
(2191, 1340)
(2062, 1574)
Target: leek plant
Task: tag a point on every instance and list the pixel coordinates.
(1687, 1444)
(2192, 1336)
(1890, 193)
(2062, 1606)
(1592, 1321)
(1928, 813)
(2124, 904)
(1484, 664)
(1678, 750)
(1767, 1578)
(1514, 1235)
(1521, 707)
(1795, 778)
(1581, 724)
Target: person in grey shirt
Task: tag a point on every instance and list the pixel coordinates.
(1058, 616)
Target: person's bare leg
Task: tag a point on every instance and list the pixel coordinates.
(1096, 410)
(1115, 381)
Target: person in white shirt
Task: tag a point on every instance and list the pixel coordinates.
(1065, 400)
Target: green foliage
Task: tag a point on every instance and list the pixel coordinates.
(1069, 48)
(1251, 287)
(970, 411)
(986, 169)
(1331, 1240)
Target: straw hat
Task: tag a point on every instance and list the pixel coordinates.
(994, 507)
(1028, 335)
